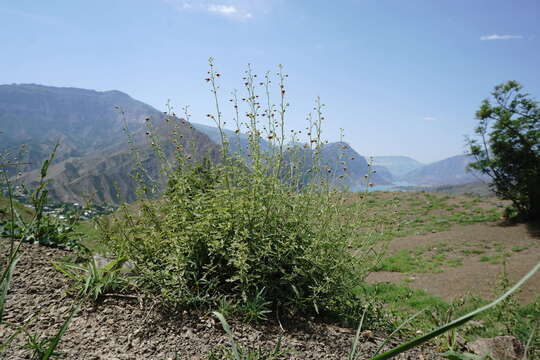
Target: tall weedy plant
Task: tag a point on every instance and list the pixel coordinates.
(261, 225)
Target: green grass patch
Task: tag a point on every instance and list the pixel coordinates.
(393, 215)
(469, 252)
(410, 261)
(23, 211)
(401, 298)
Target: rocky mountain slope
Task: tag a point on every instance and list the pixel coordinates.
(94, 160)
(82, 121)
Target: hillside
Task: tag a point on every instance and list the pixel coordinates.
(94, 160)
(334, 154)
(5, 209)
(450, 171)
(477, 188)
(83, 121)
(238, 143)
(106, 177)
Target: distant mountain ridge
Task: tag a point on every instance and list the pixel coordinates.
(397, 165)
(332, 155)
(83, 121)
(94, 160)
(450, 171)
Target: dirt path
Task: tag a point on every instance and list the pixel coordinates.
(479, 249)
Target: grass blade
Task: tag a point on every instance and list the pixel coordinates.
(56, 339)
(397, 329)
(6, 278)
(227, 329)
(6, 343)
(462, 320)
(528, 344)
(352, 355)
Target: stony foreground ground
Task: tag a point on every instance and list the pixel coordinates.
(126, 328)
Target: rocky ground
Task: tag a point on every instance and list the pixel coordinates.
(126, 328)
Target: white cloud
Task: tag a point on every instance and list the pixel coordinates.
(234, 9)
(429, 118)
(500, 37)
(223, 9)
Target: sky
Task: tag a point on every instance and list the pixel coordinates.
(401, 77)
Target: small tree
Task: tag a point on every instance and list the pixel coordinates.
(507, 148)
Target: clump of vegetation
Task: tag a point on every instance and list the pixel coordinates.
(254, 228)
(42, 347)
(34, 225)
(508, 148)
(92, 281)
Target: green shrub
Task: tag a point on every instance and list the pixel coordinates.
(199, 244)
(248, 228)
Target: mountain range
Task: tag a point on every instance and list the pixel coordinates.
(450, 171)
(95, 159)
(397, 165)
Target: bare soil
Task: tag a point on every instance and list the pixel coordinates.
(480, 248)
(126, 328)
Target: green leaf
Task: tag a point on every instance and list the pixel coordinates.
(56, 339)
(6, 278)
(227, 329)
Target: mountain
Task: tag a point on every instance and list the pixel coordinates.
(94, 159)
(332, 155)
(450, 171)
(382, 173)
(397, 165)
(238, 143)
(83, 121)
(340, 155)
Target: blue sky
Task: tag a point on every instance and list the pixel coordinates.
(401, 77)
